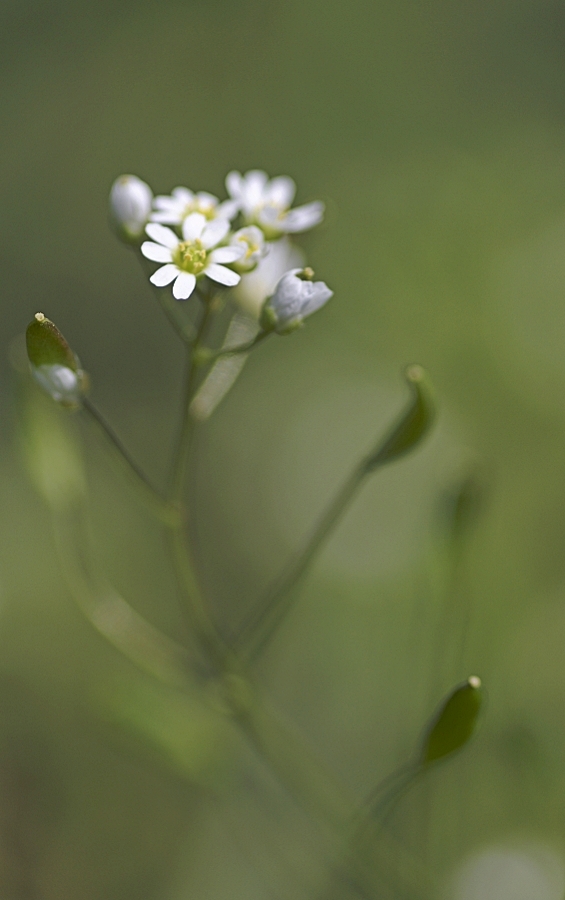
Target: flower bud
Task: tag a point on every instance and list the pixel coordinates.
(130, 207)
(454, 723)
(53, 364)
(254, 288)
(296, 296)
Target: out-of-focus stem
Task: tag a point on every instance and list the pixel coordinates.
(200, 619)
(414, 423)
(139, 641)
(146, 491)
(185, 434)
(265, 619)
(213, 355)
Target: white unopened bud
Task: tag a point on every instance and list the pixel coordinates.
(130, 206)
(61, 383)
(296, 296)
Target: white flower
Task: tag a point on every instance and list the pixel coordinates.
(193, 256)
(267, 203)
(296, 296)
(254, 287)
(251, 240)
(60, 382)
(174, 210)
(130, 205)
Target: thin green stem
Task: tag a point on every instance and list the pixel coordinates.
(209, 356)
(186, 431)
(184, 329)
(207, 634)
(384, 790)
(132, 635)
(296, 765)
(194, 607)
(413, 424)
(265, 619)
(202, 626)
(146, 491)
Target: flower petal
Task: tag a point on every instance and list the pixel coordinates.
(254, 188)
(280, 192)
(227, 254)
(193, 226)
(222, 275)
(227, 209)
(167, 217)
(316, 297)
(234, 185)
(206, 199)
(165, 202)
(214, 232)
(184, 286)
(162, 235)
(303, 217)
(164, 275)
(156, 252)
(183, 195)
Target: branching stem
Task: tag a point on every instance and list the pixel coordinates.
(147, 492)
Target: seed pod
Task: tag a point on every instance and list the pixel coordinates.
(53, 364)
(454, 723)
(413, 425)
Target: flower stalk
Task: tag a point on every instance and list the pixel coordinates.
(413, 425)
(238, 255)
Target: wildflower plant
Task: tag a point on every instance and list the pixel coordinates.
(201, 256)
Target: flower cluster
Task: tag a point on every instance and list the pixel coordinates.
(241, 243)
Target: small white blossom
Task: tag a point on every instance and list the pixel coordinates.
(254, 287)
(267, 203)
(251, 240)
(130, 205)
(192, 257)
(60, 382)
(296, 296)
(174, 210)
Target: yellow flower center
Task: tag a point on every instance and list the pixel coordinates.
(206, 209)
(190, 256)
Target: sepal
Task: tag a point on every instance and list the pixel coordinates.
(53, 364)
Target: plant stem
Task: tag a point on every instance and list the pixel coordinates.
(132, 635)
(186, 431)
(239, 348)
(147, 492)
(185, 330)
(265, 619)
(405, 434)
(207, 634)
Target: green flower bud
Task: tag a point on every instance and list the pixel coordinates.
(53, 364)
(454, 723)
(413, 425)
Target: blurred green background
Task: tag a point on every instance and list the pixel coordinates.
(436, 135)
